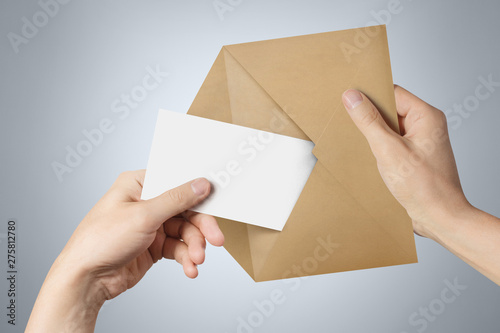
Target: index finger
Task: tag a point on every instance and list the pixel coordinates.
(416, 115)
(406, 102)
(208, 226)
(128, 185)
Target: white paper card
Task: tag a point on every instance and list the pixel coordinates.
(256, 176)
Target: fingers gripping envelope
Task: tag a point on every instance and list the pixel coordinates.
(345, 218)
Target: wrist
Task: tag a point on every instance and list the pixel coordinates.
(69, 301)
(84, 284)
(444, 219)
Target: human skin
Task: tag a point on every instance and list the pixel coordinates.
(122, 236)
(419, 169)
(116, 244)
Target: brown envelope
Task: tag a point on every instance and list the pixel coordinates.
(345, 218)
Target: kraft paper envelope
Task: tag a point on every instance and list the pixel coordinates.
(345, 218)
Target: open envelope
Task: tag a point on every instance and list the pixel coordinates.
(345, 218)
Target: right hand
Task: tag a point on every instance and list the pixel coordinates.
(417, 165)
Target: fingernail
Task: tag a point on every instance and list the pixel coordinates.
(352, 98)
(200, 186)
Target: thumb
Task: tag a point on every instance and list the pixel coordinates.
(367, 118)
(175, 201)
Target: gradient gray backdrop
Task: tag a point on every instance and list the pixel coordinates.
(65, 79)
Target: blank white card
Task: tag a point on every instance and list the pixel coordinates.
(256, 176)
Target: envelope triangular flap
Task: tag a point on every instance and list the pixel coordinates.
(342, 141)
(329, 232)
(303, 74)
(212, 100)
(252, 106)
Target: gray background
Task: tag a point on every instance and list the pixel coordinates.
(65, 79)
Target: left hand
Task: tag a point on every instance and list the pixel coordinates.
(122, 237)
(116, 244)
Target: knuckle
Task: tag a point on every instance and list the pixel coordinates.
(124, 175)
(388, 148)
(180, 253)
(438, 116)
(182, 231)
(369, 117)
(176, 196)
(441, 116)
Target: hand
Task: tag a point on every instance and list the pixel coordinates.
(122, 236)
(417, 165)
(116, 244)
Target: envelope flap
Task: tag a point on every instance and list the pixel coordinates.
(251, 106)
(357, 171)
(329, 232)
(212, 100)
(359, 175)
(306, 75)
(238, 245)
